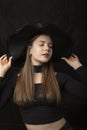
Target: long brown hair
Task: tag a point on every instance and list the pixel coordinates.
(24, 90)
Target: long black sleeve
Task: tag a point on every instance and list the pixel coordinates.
(72, 85)
(82, 73)
(1, 81)
(7, 85)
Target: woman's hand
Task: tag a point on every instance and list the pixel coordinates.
(5, 64)
(73, 61)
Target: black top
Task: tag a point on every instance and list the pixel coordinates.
(40, 112)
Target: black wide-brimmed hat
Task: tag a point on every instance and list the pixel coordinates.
(17, 42)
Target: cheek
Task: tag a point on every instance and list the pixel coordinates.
(51, 52)
(35, 51)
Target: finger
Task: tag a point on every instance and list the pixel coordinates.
(10, 59)
(75, 55)
(65, 59)
(71, 58)
(3, 56)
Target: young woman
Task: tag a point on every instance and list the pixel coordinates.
(37, 87)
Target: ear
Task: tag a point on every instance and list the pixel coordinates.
(55, 73)
(30, 49)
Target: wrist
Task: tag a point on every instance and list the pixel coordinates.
(2, 73)
(77, 66)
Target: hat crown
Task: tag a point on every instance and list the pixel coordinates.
(17, 43)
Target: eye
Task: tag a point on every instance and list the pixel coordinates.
(50, 45)
(41, 43)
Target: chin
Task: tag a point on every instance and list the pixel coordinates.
(45, 61)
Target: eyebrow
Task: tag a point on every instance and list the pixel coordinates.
(44, 42)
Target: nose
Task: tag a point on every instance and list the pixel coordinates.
(46, 47)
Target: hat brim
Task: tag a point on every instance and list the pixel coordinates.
(17, 43)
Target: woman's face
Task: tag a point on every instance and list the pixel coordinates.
(41, 50)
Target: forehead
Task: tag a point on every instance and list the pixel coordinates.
(44, 38)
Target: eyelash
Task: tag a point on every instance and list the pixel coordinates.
(41, 44)
(50, 46)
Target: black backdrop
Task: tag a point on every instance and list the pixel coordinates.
(69, 15)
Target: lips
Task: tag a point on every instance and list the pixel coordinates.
(46, 55)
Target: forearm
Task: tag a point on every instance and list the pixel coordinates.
(7, 85)
(72, 86)
(1, 82)
(82, 73)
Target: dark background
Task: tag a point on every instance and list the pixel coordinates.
(71, 17)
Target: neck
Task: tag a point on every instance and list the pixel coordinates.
(38, 68)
